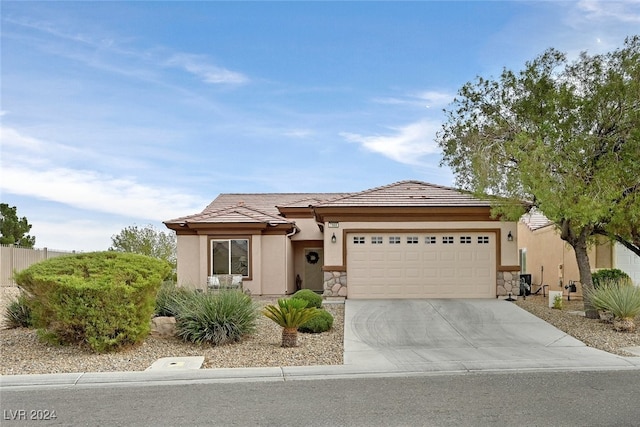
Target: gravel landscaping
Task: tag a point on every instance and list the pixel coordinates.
(593, 332)
(23, 353)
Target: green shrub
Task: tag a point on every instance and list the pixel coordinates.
(168, 297)
(321, 323)
(214, 318)
(621, 299)
(18, 313)
(102, 299)
(312, 299)
(608, 276)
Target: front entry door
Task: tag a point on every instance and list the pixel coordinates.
(313, 262)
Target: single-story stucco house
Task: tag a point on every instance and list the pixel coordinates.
(409, 239)
(552, 261)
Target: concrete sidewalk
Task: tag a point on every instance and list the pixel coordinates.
(394, 338)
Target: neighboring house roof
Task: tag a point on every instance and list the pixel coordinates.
(535, 220)
(408, 194)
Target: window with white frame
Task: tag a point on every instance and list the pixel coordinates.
(447, 239)
(230, 256)
(430, 240)
(483, 240)
(412, 240)
(376, 240)
(465, 239)
(358, 240)
(394, 240)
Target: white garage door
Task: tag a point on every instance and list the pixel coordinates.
(421, 265)
(628, 262)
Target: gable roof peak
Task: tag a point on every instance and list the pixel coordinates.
(408, 193)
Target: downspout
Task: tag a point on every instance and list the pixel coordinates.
(286, 257)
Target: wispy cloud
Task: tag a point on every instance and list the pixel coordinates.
(203, 69)
(424, 99)
(408, 144)
(115, 54)
(622, 11)
(84, 188)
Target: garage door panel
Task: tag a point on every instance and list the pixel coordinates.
(464, 267)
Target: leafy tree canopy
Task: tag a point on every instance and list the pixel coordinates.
(564, 135)
(146, 241)
(13, 229)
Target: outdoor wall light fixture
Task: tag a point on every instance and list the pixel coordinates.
(333, 238)
(510, 237)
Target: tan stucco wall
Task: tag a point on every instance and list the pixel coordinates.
(273, 274)
(309, 230)
(188, 257)
(508, 250)
(545, 249)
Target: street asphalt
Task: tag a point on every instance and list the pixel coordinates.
(386, 338)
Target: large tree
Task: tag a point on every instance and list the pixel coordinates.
(563, 135)
(13, 229)
(146, 241)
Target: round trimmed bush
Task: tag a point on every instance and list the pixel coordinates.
(312, 299)
(101, 299)
(608, 276)
(320, 323)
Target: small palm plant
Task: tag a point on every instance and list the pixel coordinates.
(290, 314)
(621, 299)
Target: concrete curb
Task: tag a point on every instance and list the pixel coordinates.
(288, 373)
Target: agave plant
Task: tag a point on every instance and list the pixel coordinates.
(290, 314)
(621, 299)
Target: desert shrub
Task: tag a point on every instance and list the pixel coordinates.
(609, 276)
(18, 313)
(214, 318)
(312, 299)
(621, 299)
(102, 299)
(168, 297)
(321, 323)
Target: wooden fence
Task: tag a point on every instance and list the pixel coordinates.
(16, 258)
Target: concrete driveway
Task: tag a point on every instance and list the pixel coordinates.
(460, 335)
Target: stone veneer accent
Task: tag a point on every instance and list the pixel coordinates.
(335, 284)
(508, 282)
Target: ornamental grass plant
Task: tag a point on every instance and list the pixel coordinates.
(18, 314)
(621, 299)
(214, 318)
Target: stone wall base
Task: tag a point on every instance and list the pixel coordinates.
(508, 282)
(334, 284)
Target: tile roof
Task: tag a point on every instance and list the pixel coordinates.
(253, 207)
(408, 194)
(264, 207)
(535, 220)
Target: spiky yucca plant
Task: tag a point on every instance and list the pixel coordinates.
(621, 299)
(290, 314)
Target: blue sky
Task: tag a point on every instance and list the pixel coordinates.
(121, 113)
